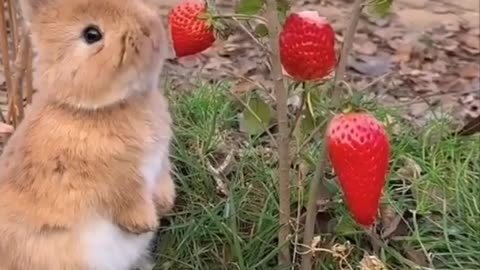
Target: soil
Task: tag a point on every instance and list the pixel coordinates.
(423, 58)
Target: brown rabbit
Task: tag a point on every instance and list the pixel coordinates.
(86, 175)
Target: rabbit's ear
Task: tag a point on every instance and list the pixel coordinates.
(29, 7)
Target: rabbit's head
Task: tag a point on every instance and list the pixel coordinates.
(95, 53)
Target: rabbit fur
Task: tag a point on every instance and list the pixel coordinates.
(86, 175)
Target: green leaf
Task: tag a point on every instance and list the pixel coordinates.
(346, 226)
(261, 30)
(257, 116)
(381, 8)
(283, 6)
(249, 7)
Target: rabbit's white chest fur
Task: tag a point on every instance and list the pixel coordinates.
(109, 248)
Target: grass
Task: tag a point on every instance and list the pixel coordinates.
(430, 213)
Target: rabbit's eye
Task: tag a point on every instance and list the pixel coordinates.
(92, 34)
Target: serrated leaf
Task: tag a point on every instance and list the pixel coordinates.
(249, 7)
(257, 116)
(283, 6)
(261, 30)
(381, 8)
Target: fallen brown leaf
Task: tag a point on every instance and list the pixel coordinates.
(403, 53)
(470, 71)
(370, 65)
(390, 220)
(472, 126)
(371, 262)
(367, 47)
(410, 170)
(243, 87)
(471, 41)
(417, 256)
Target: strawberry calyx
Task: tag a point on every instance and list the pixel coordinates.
(214, 21)
(357, 103)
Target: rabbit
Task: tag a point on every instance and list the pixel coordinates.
(86, 176)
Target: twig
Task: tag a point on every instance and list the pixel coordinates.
(347, 46)
(318, 184)
(5, 55)
(283, 145)
(240, 17)
(29, 74)
(375, 81)
(249, 33)
(20, 68)
(301, 175)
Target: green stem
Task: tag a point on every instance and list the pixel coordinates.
(239, 17)
(317, 187)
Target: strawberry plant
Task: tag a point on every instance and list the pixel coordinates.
(303, 58)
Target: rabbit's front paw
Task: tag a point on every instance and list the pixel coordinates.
(138, 220)
(138, 228)
(165, 194)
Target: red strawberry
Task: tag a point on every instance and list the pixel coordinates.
(307, 46)
(190, 34)
(359, 151)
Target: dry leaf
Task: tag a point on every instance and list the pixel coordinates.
(243, 87)
(470, 71)
(371, 65)
(418, 109)
(449, 45)
(472, 126)
(388, 215)
(440, 66)
(471, 41)
(417, 256)
(393, 224)
(371, 262)
(367, 47)
(452, 25)
(403, 53)
(410, 171)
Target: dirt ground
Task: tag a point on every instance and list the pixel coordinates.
(424, 57)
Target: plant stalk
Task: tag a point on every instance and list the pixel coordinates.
(317, 187)
(273, 24)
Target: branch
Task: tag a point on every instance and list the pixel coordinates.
(318, 184)
(347, 46)
(284, 166)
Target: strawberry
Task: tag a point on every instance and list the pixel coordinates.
(359, 150)
(307, 46)
(190, 34)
